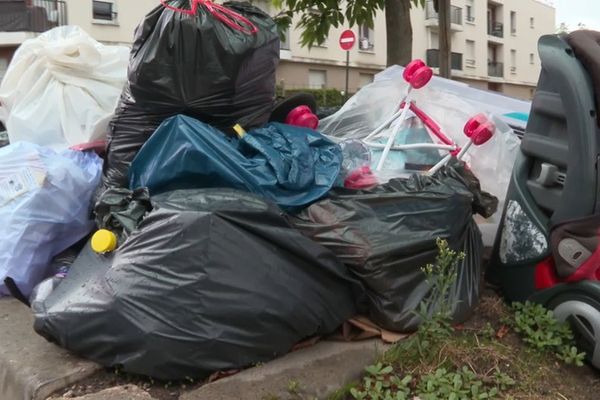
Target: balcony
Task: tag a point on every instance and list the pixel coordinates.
(432, 17)
(433, 59)
(32, 16)
(496, 29)
(496, 69)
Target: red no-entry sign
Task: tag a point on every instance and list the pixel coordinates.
(347, 40)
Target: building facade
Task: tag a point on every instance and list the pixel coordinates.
(494, 46)
(494, 42)
(108, 21)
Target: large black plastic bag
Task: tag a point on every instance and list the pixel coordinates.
(386, 235)
(197, 65)
(211, 280)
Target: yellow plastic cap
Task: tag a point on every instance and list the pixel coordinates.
(104, 241)
(241, 132)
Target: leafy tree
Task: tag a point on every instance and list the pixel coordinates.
(318, 16)
(564, 28)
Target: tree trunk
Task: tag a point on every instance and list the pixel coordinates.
(399, 32)
(445, 39)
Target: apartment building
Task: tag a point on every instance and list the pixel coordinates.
(494, 42)
(494, 46)
(109, 21)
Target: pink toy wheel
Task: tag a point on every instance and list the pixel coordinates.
(411, 68)
(483, 133)
(302, 116)
(474, 123)
(421, 77)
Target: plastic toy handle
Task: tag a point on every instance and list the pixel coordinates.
(431, 124)
(225, 15)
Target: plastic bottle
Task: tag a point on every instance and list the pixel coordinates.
(47, 286)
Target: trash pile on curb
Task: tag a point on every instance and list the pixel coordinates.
(194, 225)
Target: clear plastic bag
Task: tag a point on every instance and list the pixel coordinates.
(491, 162)
(45, 208)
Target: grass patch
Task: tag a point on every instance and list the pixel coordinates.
(487, 361)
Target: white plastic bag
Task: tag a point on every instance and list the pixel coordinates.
(491, 162)
(45, 207)
(61, 88)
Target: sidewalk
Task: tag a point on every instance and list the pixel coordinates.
(32, 369)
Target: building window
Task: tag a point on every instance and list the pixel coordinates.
(513, 23)
(532, 22)
(365, 79)
(104, 11)
(531, 58)
(317, 79)
(513, 61)
(284, 44)
(470, 54)
(469, 10)
(366, 38)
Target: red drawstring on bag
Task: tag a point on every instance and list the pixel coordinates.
(223, 14)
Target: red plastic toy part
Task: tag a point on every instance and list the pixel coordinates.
(302, 116)
(483, 133)
(479, 129)
(474, 123)
(98, 146)
(361, 178)
(429, 123)
(589, 270)
(417, 74)
(545, 275)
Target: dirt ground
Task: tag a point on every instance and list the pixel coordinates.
(546, 377)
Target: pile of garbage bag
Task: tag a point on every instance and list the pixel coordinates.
(386, 235)
(195, 65)
(219, 231)
(212, 279)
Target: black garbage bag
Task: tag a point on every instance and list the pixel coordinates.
(121, 210)
(191, 62)
(386, 235)
(211, 280)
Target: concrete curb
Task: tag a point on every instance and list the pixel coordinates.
(30, 367)
(315, 372)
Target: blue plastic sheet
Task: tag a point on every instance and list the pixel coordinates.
(45, 208)
(289, 165)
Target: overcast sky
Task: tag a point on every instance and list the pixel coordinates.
(573, 12)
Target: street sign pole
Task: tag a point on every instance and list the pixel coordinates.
(347, 41)
(347, 75)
